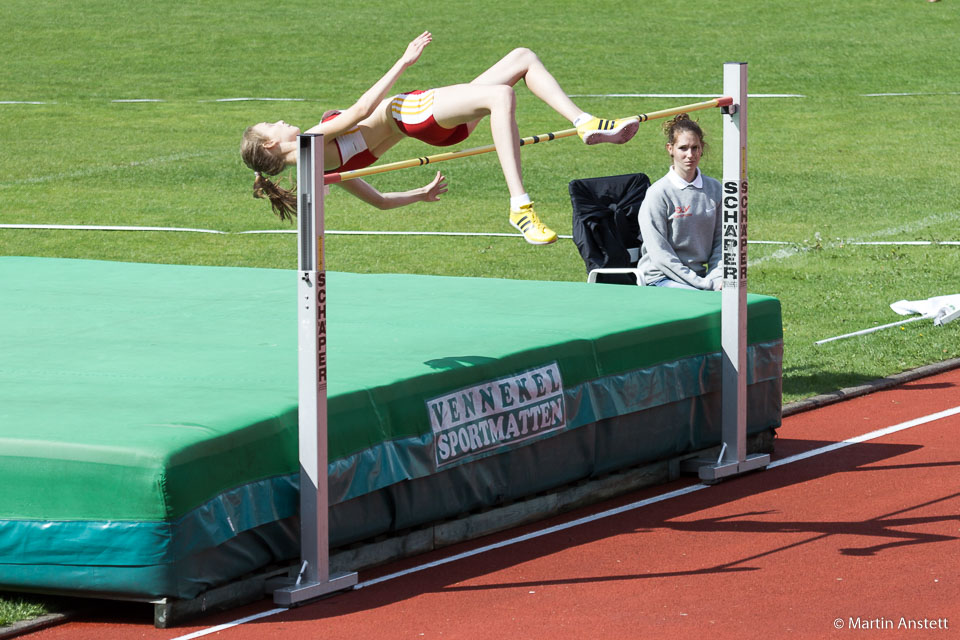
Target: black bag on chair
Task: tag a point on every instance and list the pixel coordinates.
(605, 224)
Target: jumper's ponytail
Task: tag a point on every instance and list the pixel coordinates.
(283, 201)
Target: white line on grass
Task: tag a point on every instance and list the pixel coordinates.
(84, 227)
(908, 228)
(255, 100)
(912, 243)
(680, 95)
(917, 93)
(780, 254)
(431, 233)
(792, 247)
(873, 435)
(92, 171)
(573, 95)
(580, 95)
(241, 99)
(91, 227)
(915, 225)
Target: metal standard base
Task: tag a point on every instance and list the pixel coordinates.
(717, 471)
(299, 593)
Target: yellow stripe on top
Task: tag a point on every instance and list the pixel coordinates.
(412, 108)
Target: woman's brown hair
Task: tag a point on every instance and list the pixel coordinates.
(679, 123)
(264, 163)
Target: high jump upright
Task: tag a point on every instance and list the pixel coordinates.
(314, 579)
(733, 458)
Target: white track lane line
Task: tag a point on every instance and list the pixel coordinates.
(879, 433)
(229, 625)
(873, 435)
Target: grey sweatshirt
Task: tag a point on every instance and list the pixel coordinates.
(680, 225)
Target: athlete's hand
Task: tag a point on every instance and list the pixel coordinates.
(436, 187)
(415, 48)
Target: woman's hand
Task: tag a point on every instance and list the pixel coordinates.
(391, 200)
(415, 48)
(373, 96)
(436, 187)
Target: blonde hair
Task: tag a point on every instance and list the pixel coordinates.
(256, 156)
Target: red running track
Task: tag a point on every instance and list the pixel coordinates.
(862, 541)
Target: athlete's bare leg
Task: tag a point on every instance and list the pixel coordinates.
(524, 64)
(468, 103)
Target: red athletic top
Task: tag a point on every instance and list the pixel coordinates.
(352, 149)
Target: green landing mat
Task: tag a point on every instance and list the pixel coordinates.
(141, 393)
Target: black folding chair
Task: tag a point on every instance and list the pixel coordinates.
(605, 226)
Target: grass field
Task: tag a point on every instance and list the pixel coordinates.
(16, 609)
(833, 168)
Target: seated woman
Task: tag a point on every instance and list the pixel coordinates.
(680, 217)
(362, 133)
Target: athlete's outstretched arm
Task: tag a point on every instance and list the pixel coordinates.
(375, 94)
(391, 200)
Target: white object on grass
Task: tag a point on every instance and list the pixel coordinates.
(942, 309)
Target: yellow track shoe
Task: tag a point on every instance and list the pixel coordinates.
(598, 130)
(527, 222)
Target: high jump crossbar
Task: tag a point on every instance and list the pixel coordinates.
(335, 177)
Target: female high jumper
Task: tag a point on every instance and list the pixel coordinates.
(443, 116)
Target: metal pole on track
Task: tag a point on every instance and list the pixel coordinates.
(314, 579)
(733, 458)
